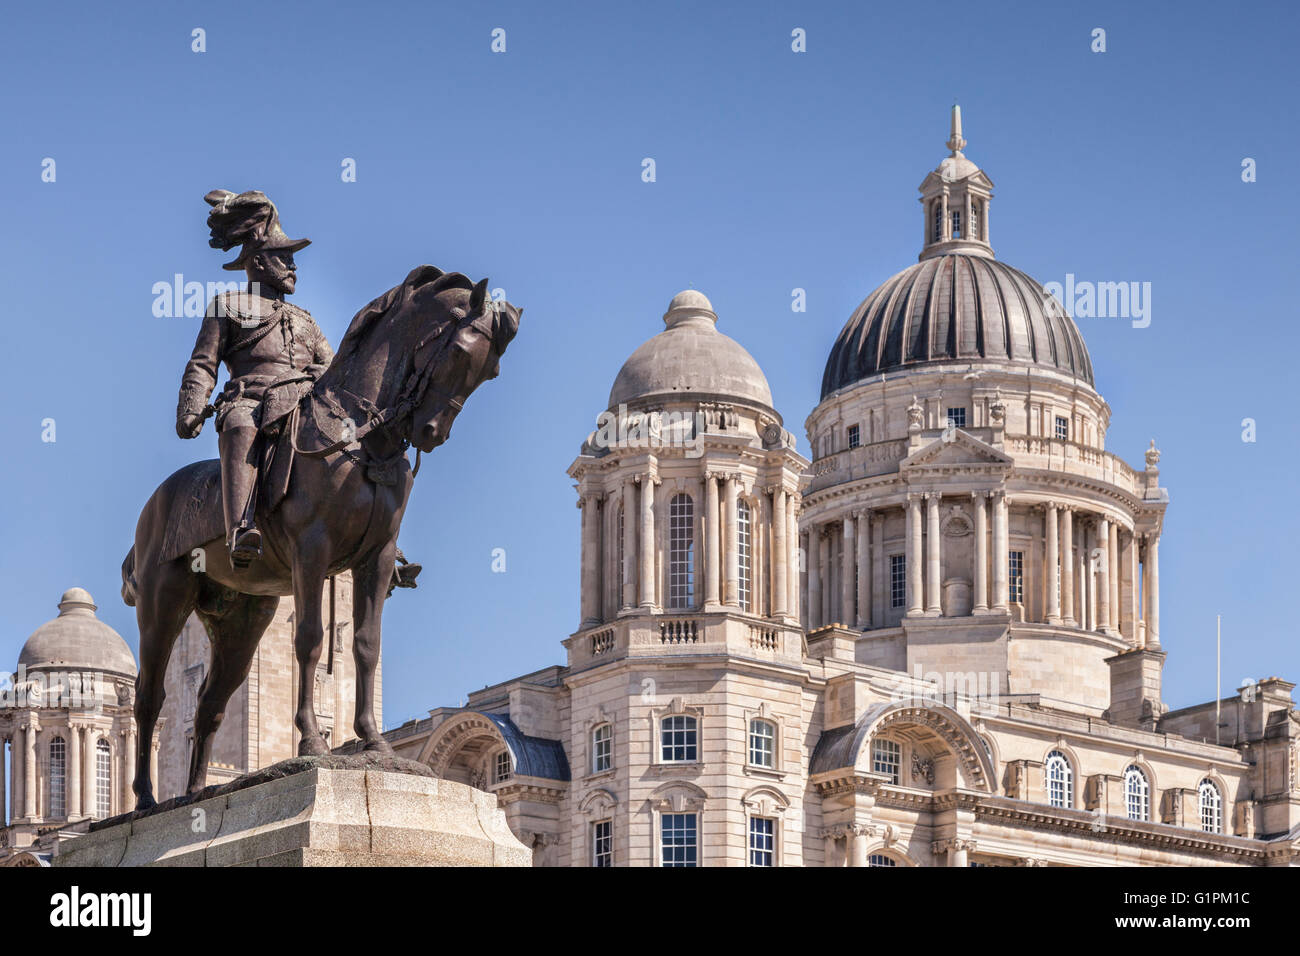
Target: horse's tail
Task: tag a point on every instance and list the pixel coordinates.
(128, 578)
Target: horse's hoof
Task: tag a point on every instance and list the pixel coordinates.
(145, 802)
(313, 747)
(378, 745)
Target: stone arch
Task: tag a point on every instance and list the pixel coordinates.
(938, 721)
(457, 748)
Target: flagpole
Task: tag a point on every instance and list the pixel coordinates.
(1218, 672)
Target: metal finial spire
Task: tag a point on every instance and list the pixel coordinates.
(955, 141)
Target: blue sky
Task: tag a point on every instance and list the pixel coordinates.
(775, 170)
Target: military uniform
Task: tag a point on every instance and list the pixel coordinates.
(267, 344)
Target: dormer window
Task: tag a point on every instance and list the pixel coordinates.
(956, 224)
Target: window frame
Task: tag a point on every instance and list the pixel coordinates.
(898, 580)
(1016, 575)
(693, 747)
(745, 555)
(1215, 808)
(103, 779)
(1058, 758)
(772, 836)
(855, 436)
(1061, 429)
(596, 843)
(771, 739)
(58, 777)
(681, 552)
(951, 419)
(497, 776)
(884, 743)
(596, 742)
(691, 849)
(1142, 794)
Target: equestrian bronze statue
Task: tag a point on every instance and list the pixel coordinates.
(329, 477)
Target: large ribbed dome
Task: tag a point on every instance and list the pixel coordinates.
(691, 358)
(76, 640)
(956, 308)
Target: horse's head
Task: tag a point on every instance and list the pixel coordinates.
(463, 357)
(421, 348)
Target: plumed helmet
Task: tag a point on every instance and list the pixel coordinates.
(247, 219)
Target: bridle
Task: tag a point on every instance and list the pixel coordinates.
(414, 390)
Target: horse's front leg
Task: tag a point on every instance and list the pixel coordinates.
(369, 589)
(309, 567)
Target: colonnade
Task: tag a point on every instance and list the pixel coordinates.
(29, 751)
(623, 573)
(1107, 576)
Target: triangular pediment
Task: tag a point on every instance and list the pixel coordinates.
(957, 447)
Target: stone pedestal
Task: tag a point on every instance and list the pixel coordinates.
(320, 811)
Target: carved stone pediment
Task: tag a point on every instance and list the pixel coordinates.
(956, 448)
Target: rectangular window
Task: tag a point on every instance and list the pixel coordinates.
(956, 418)
(1062, 428)
(762, 743)
(762, 841)
(602, 843)
(501, 767)
(897, 580)
(744, 553)
(1016, 577)
(678, 740)
(681, 552)
(886, 757)
(855, 436)
(679, 836)
(601, 756)
(956, 224)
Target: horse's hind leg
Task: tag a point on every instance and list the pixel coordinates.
(233, 632)
(164, 598)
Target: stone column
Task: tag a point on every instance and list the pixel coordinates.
(863, 526)
(980, 573)
(29, 769)
(780, 553)
(958, 853)
(730, 549)
(16, 751)
(826, 594)
(1051, 565)
(913, 559)
(589, 599)
(813, 551)
(4, 810)
(760, 550)
(1153, 591)
(829, 849)
(1067, 566)
(128, 770)
(879, 587)
(933, 558)
(1001, 598)
(74, 772)
(848, 583)
(628, 570)
(1103, 576)
(712, 543)
(1129, 613)
(647, 542)
(92, 770)
(794, 559)
(1112, 575)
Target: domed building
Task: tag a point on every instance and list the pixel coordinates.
(936, 643)
(67, 717)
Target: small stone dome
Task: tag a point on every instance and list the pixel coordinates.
(691, 358)
(956, 308)
(77, 640)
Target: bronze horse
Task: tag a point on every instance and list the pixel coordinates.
(403, 371)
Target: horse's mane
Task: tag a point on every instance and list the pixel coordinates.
(418, 277)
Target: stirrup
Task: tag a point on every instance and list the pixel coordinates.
(246, 547)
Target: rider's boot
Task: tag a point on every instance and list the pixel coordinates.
(238, 479)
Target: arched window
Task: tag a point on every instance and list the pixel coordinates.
(681, 552)
(678, 739)
(602, 748)
(879, 859)
(58, 778)
(938, 221)
(975, 219)
(623, 599)
(1211, 805)
(744, 554)
(762, 743)
(103, 780)
(956, 224)
(1137, 794)
(1060, 780)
